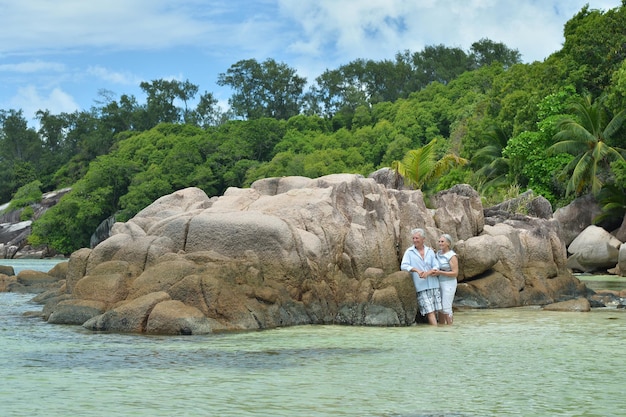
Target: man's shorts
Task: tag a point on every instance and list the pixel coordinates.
(429, 301)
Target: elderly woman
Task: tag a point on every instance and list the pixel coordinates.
(448, 271)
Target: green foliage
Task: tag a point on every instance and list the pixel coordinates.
(486, 52)
(616, 91)
(594, 47)
(145, 189)
(612, 199)
(496, 196)
(420, 166)
(20, 153)
(489, 162)
(27, 213)
(68, 225)
(618, 168)
(532, 166)
(453, 177)
(65, 227)
(25, 196)
(555, 103)
(267, 89)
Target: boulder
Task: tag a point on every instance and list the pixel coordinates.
(29, 281)
(7, 270)
(174, 317)
(621, 260)
(516, 262)
(593, 249)
(294, 250)
(6, 282)
(128, 317)
(59, 271)
(603, 298)
(576, 216)
(108, 282)
(526, 203)
(578, 304)
(75, 311)
(35, 278)
(459, 212)
(388, 178)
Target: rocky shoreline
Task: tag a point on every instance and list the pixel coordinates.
(295, 250)
(14, 231)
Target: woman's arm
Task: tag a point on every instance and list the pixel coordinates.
(454, 268)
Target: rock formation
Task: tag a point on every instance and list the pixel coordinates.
(294, 250)
(576, 216)
(14, 232)
(591, 248)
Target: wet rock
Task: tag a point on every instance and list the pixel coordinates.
(578, 304)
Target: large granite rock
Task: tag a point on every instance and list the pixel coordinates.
(576, 216)
(527, 202)
(593, 249)
(459, 211)
(294, 250)
(520, 261)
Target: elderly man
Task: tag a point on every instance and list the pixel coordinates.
(421, 261)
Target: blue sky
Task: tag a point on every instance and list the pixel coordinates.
(57, 55)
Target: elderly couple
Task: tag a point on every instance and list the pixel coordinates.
(434, 276)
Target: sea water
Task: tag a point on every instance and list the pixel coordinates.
(505, 362)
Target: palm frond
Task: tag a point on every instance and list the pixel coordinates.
(615, 124)
(419, 166)
(612, 198)
(586, 141)
(571, 147)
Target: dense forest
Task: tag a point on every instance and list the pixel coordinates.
(439, 116)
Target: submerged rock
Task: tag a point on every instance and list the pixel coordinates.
(579, 304)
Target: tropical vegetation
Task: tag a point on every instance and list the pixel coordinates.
(439, 116)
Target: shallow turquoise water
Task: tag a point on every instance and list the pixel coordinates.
(508, 362)
(36, 264)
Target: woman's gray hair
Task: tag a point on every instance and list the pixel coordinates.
(419, 231)
(448, 238)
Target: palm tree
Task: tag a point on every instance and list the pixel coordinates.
(493, 165)
(419, 166)
(586, 139)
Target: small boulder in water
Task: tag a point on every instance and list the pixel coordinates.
(578, 304)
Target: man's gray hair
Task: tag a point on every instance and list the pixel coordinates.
(418, 231)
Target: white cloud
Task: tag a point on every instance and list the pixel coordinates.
(30, 100)
(116, 24)
(114, 77)
(350, 29)
(33, 66)
(342, 28)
